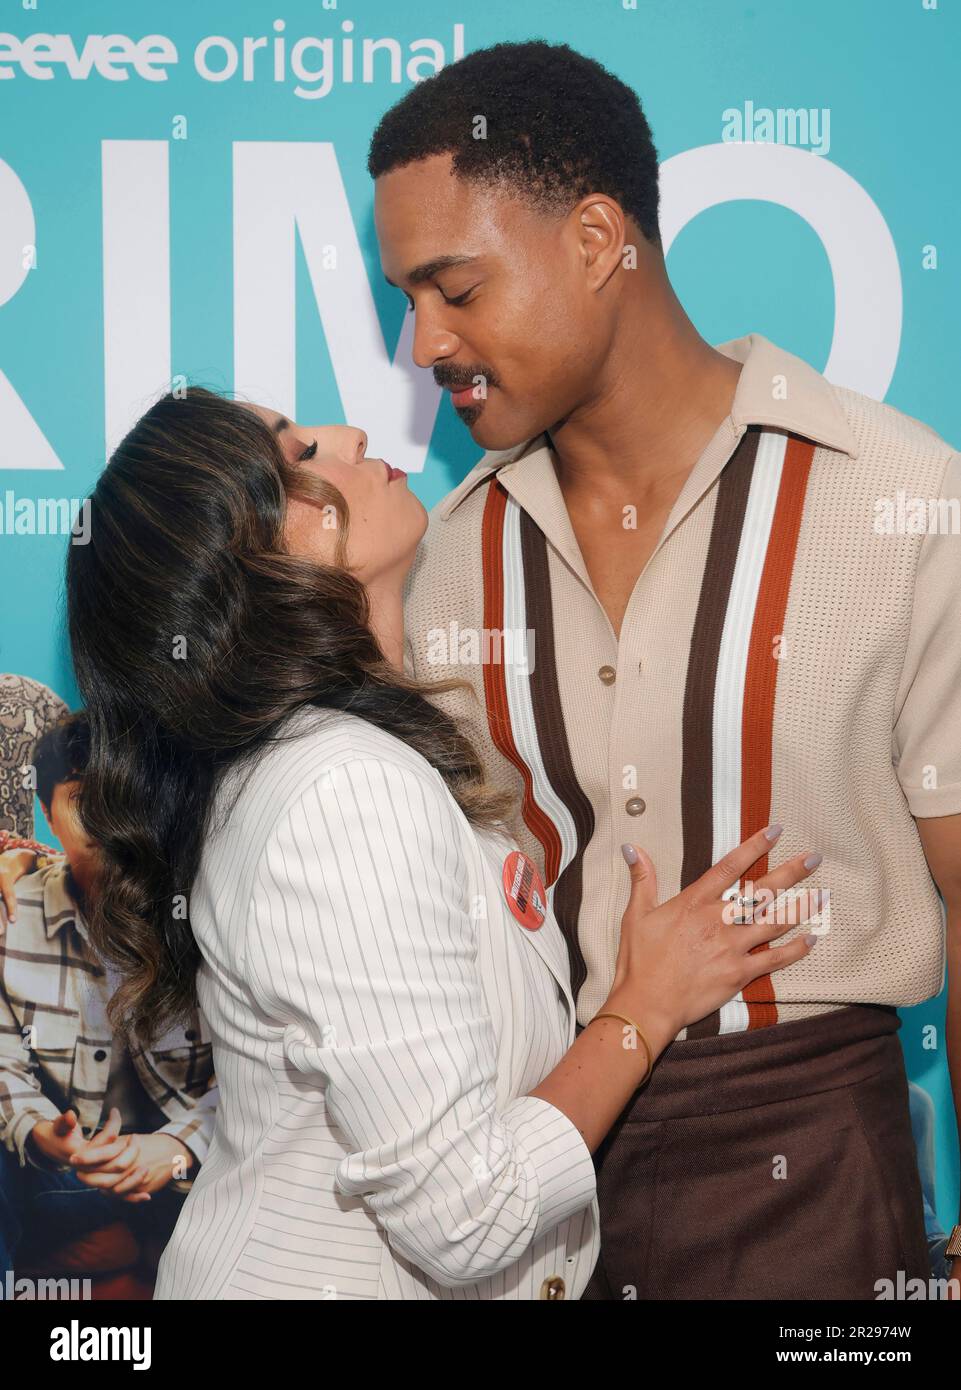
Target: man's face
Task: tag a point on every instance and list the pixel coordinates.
(515, 310)
(64, 820)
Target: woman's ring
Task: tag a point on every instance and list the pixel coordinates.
(744, 905)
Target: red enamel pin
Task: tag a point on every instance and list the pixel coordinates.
(524, 890)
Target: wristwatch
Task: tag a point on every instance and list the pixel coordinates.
(952, 1251)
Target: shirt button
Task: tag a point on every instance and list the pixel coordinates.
(607, 674)
(554, 1287)
(640, 668)
(636, 806)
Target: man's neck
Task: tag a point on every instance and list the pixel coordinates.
(649, 418)
(75, 889)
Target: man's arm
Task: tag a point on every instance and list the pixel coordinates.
(195, 1128)
(18, 857)
(941, 841)
(926, 736)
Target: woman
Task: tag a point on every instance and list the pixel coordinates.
(405, 1111)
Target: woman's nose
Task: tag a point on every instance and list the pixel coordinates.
(356, 444)
(340, 441)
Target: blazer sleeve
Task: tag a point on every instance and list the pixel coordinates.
(361, 943)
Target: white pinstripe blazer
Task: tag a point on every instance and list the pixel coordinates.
(378, 1017)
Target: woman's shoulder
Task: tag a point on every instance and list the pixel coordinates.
(321, 738)
(305, 751)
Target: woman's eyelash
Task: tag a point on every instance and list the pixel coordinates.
(309, 452)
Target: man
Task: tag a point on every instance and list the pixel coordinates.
(721, 635)
(92, 1131)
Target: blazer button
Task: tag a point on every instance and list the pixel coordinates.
(607, 674)
(553, 1287)
(636, 806)
(99, 1055)
(190, 1035)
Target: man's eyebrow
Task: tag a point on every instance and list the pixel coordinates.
(428, 269)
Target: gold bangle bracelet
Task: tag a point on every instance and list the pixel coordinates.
(647, 1047)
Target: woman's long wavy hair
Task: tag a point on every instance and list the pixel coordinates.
(194, 634)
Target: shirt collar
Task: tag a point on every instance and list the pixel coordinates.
(775, 388)
(778, 389)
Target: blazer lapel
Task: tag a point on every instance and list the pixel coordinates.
(547, 939)
(549, 942)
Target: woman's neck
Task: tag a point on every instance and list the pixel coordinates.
(387, 618)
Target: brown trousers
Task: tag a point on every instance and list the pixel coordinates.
(773, 1164)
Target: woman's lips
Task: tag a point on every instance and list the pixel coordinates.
(393, 473)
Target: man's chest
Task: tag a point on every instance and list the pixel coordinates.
(56, 983)
(665, 650)
(616, 556)
(678, 667)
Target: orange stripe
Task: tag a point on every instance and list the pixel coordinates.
(760, 685)
(495, 688)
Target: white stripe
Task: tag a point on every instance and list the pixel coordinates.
(732, 667)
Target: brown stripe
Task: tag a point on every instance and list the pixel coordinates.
(551, 734)
(697, 757)
(48, 957)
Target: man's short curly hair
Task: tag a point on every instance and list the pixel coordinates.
(558, 126)
(61, 754)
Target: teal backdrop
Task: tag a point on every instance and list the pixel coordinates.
(167, 212)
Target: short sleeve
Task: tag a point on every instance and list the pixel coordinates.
(927, 730)
(362, 945)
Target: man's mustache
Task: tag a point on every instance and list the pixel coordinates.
(447, 382)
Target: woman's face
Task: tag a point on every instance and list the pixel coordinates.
(386, 519)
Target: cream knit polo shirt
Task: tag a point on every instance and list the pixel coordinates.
(791, 651)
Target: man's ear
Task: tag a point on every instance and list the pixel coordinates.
(602, 229)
